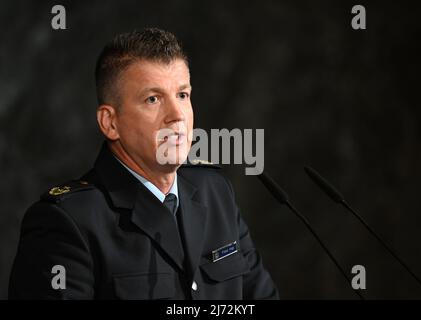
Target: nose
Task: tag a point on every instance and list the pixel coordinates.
(174, 111)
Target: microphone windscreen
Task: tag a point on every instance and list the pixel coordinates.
(274, 188)
(330, 190)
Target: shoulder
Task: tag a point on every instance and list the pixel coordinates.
(77, 198)
(204, 173)
(72, 202)
(67, 190)
(200, 168)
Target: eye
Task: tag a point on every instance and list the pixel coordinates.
(183, 95)
(152, 99)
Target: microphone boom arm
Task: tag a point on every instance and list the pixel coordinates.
(282, 197)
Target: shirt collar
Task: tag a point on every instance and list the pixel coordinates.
(151, 187)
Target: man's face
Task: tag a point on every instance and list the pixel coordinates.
(155, 97)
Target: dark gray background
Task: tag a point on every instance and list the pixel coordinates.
(343, 101)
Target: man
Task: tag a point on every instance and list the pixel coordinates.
(139, 225)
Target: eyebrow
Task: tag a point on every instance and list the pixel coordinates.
(185, 86)
(159, 90)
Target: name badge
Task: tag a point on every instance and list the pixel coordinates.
(224, 251)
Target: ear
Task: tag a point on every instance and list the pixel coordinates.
(106, 116)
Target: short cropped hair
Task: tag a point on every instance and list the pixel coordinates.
(124, 49)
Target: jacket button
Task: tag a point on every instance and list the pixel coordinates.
(194, 286)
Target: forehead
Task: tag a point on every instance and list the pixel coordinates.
(146, 73)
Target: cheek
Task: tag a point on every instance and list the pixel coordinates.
(138, 129)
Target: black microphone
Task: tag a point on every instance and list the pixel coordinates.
(334, 194)
(283, 198)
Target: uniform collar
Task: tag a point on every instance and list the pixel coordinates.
(151, 187)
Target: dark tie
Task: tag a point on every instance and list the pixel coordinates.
(171, 203)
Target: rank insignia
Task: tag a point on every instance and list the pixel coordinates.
(59, 190)
(199, 161)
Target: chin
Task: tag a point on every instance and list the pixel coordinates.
(178, 159)
(168, 168)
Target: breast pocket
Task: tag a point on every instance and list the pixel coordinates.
(225, 269)
(144, 286)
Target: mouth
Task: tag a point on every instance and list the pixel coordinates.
(174, 139)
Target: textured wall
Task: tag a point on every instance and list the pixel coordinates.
(343, 101)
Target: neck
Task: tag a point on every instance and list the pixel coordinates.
(163, 180)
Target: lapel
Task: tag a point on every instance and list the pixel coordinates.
(147, 212)
(150, 215)
(194, 218)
